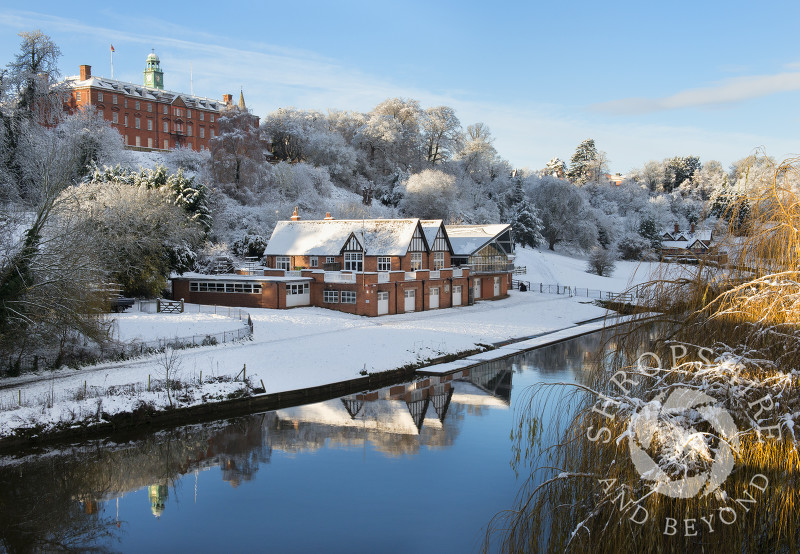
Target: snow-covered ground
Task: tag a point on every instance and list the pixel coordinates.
(142, 327)
(305, 347)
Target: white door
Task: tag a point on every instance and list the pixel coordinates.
(383, 303)
(456, 295)
(497, 286)
(434, 298)
(477, 288)
(410, 300)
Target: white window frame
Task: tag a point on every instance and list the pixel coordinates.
(330, 297)
(348, 297)
(99, 96)
(313, 261)
(149, 124)
(78, 96)
(330, 259)
(211, 119)
(166, 126)
(354, 261)
(296, 288)
(126, 120)
(188, 113)
(438, 261)
(166, 109)
(113, 98)
(283, 262)
(114, 117)
(384, 263)
(202, 116)
(149, 107)
(416, 261)
(137, 122)
(202, 132)
(228, 287)
(138, 105)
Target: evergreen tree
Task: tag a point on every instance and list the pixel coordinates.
(585, 163)
(527, 225)
(649, 231)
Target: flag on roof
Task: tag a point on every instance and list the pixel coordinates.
(112, 48)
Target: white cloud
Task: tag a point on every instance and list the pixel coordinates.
(728, 91)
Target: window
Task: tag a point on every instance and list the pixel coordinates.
(166, 144)
(99, 96)
(138, 141)
(149, 107)
(188, 113)
(330, 260)
(212, 133)
(202, 132)
(330, 296)
(166, 110)
(211, 118)
(113, 98)
(313, 261)
(78, 96)
(438, 260)
(297, 288)
(177, 112)
(242, 288)
(166, 126)
(125, 102)
(114, 117)
(283, 262)
(189, 129)
(178, 128)
(137, 122)
(416, 261)
(138, 105)
(353, 261)
(126, 121)
(150, 142)
(384, 263)
(202, 116)
(348, 297)
(149, 124)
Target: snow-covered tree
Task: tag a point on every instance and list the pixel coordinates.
(429, 195)
(563, 214)
(442, 134)
(556, 167)
(587, 163)
(527, 225)
(601, 261)
(237, 150)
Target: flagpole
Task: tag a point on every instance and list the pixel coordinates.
(112, 61)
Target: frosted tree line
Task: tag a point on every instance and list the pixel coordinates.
(73, 177)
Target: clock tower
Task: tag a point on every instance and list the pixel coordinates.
(153, 76)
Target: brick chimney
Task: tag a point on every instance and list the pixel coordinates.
(677, 229)
(328, 216)
(692, 228)
(295, 217)
(228, 99)
(86, 72)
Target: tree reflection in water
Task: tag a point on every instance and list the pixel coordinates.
(59, 500)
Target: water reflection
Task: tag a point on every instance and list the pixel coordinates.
(64, 499)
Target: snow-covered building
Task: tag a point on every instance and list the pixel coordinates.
(488, 250)
(147, 115)
(689, 245)
(367, 267)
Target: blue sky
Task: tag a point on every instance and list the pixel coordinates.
(645, 80)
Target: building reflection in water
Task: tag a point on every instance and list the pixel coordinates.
(73, 484)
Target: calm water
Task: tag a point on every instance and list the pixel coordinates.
(420, 467)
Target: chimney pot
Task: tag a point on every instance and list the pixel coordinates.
(692, 228)
(86, 72)
(328, 216)
(295, 217)
(677, 229)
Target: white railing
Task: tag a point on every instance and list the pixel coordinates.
(295, 273)
(435, 274)
(336, 277)
(458, 272)
(411, 276)
(383, 276)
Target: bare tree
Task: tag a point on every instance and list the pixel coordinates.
(170, 362)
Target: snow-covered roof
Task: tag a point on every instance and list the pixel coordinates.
(468, 239)
(684, 237)
(431, 228)
(379, 237)
(141, 91)
(239, 278)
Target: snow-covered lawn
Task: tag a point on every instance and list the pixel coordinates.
(305, 347)
(139, 326)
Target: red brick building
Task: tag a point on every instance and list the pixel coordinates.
(147, 116)
(365, 267)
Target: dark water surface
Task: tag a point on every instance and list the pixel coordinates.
(420, 467)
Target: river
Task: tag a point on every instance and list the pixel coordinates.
(419, 467)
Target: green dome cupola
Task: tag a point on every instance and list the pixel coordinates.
(153, 76)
